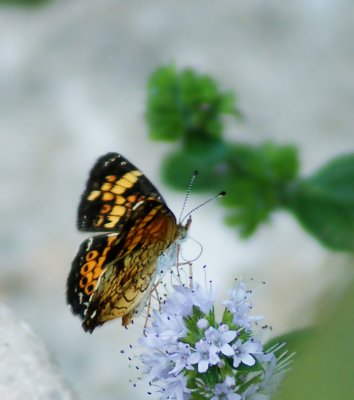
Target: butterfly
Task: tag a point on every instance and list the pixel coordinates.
(113, 273)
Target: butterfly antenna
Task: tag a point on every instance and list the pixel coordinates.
(191, 183)
(221, 194)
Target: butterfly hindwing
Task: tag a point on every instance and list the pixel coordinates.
(129, 279)
(92, 258)
(112, 273)
(114, 189)
(122, 289)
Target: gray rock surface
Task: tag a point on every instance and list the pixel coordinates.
(27, 371)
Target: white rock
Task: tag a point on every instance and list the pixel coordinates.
(26, 370)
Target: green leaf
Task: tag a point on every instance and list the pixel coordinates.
(246, 369)
(162, 115)
(186, 105)
(196, 396)
(268, 161)
(324, 203)
(178, 168)
(256, 178)
(194, 334)
(294, 340)
(227, 317)
(257, 182)
(323, 368)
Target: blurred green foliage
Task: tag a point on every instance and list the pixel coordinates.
(324, 203)
(23, 2)
(189, 109)
(191, 102)
(323, 368)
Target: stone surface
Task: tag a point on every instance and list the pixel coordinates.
(26, 369)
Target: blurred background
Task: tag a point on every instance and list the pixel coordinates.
(72, 87)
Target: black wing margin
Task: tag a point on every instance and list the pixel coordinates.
(115, 187)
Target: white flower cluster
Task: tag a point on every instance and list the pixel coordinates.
(189, 353)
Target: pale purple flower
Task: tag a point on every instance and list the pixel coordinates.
(179, 302)
(243, 351)
(203, 298)
(275, 367)
(220, 339)
(251, 393)
(240, 306)
(268, 384)
(181, 358)
(204, 355)
(182, 299)
(226, 390)
(156, 365)
(175, 388)
(203, 323)
(183, 342)
(164, 329)
(161, 340)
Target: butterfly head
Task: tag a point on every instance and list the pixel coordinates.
(183, 229)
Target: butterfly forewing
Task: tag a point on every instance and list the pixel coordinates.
(114, 189)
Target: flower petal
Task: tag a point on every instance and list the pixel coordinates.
(203, 366)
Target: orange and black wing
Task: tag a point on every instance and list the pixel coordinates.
(114, 190)
(122, 289)
(112, 273)
(92, 258)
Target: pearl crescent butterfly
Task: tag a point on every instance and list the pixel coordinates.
(113, 272)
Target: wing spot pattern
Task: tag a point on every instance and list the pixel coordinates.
(107, 196)
(125, 183)
(132, 198)
(111, 178)
(120, 200)
(92, 269)
(99, 221)
(91, 255)
(106, 187)
(90, 288)
(117, 189)
(93, 195)
(85, 280)
(106, 208)
(112, 221)
(87, 267)
(118, 210)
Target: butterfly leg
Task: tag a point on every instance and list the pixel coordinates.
(190, 277)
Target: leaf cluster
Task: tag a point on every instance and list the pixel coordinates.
(189, 109)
